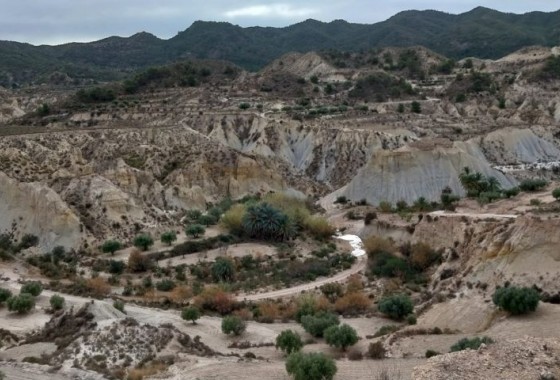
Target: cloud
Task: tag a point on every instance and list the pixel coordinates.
(272, 10)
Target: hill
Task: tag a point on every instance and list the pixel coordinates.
(482, 33)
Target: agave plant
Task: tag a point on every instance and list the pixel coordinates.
(262, 221)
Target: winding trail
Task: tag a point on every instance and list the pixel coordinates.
(473, 215)
(358, 266)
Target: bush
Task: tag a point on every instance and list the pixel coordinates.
(116, 266)
(195, 230)
(215, 299)
(415, 107)
(370, 216)
(341, 337)
(223, 270)
(98, 287)
(531, 185)
(317, 324)
(289, 341)
(233, 325)
(312, 366)
(28, 241)
(396, 307)
(341, 199)
(137, 262)
(34, 288)
(5, 294)
(556, 193)
(385, 330)
(332, 290)
(168, 237)
(411, 319)
(376, 350)
(473, 343)
(422, 255)
(319, 227)
(143, 242)
(111, 246)
(57, 302)
(119, 305)
(431, 353)
(516, 300)
(190, 314)
(165, 285)
(352, 303)
(22, 303)
(232, 220)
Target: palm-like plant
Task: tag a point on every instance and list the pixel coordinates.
(263, 221)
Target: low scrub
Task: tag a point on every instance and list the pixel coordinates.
(472, 343)
(396, 307)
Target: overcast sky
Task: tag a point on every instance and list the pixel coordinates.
(59, 21)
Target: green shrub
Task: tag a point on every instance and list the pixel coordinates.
(190, 314)
(289, 341)
(5, 294)
(265, 222)
(531, 185)
(396, 307)
(165, 285)
(510, 193)
(111, 246)
(233, 325)
(119, 305)
(341, 199)
(556, 193)
(57, 302)
(34, 288)
(312, 366)
(21, 303)
(244, 106)
(431, 353)
(143, 242)
(411, 319)
(318, 323)
(416, 107)
(473, 343)
(516, 300)
(233, 219)
(116, 266)
(385, 330)
(342, 336)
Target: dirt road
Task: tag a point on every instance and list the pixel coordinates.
(358, 266)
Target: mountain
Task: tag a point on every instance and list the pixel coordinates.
(481, 32)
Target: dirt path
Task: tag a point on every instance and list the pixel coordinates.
(358, 266)
(474, 215)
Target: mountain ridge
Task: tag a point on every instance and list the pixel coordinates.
(481, 32)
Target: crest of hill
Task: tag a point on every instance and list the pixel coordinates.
(482, 33)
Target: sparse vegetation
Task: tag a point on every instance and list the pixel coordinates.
(472, 343)
(22, 303)
(318, 323)
(342, 336)
(143, 241)
(34, 288)
(57, 302)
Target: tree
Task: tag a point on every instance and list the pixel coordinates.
(143, 241)
(168, 237)
(318, 323)
(57, 302)
(556, 193)
(223, 270)
(34, 288)
(396, 307)
(341, 336)
(111, 246)
(195, 230)
(312, 366)
(289, 341)
(416, 107)
(190, 314)
(233, 325)
(22, 303)
(5, 294)
(332, 291)
(516, 300)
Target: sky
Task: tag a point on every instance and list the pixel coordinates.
(58, 21)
